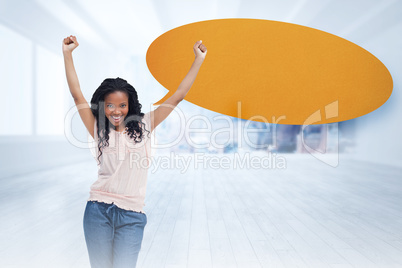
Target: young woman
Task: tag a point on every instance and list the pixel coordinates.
(114, 219)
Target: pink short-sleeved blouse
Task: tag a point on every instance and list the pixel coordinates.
(123, 171)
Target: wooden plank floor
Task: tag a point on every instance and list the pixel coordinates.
(306, 215)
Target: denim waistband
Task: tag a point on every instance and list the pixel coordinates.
(110, 206)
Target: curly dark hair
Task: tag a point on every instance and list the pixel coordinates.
(132, 120)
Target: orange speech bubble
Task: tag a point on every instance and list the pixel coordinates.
(264, 70)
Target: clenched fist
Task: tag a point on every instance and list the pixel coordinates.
(200, 50)
(70, 43)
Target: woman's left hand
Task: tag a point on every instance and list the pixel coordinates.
(200, 50)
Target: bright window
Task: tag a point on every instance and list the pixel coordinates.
(16, 83)
(50, 97)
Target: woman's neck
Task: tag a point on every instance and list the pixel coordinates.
(120, 128)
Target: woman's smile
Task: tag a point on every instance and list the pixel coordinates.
(116, 108)
(117, 118)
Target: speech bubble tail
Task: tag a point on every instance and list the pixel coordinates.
(167, 96)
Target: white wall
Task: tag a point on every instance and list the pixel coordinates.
(379, 133)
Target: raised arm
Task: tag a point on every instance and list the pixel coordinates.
(69, 44)
(160, 113)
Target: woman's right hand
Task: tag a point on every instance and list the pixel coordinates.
(70, 43)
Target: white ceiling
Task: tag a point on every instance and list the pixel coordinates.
(130, 26)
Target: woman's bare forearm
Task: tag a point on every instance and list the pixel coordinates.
(72, 78)
(189, 79)
(200, 52)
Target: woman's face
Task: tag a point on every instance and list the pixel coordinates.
(116, 107)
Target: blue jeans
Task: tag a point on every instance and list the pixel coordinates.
(113, 235)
